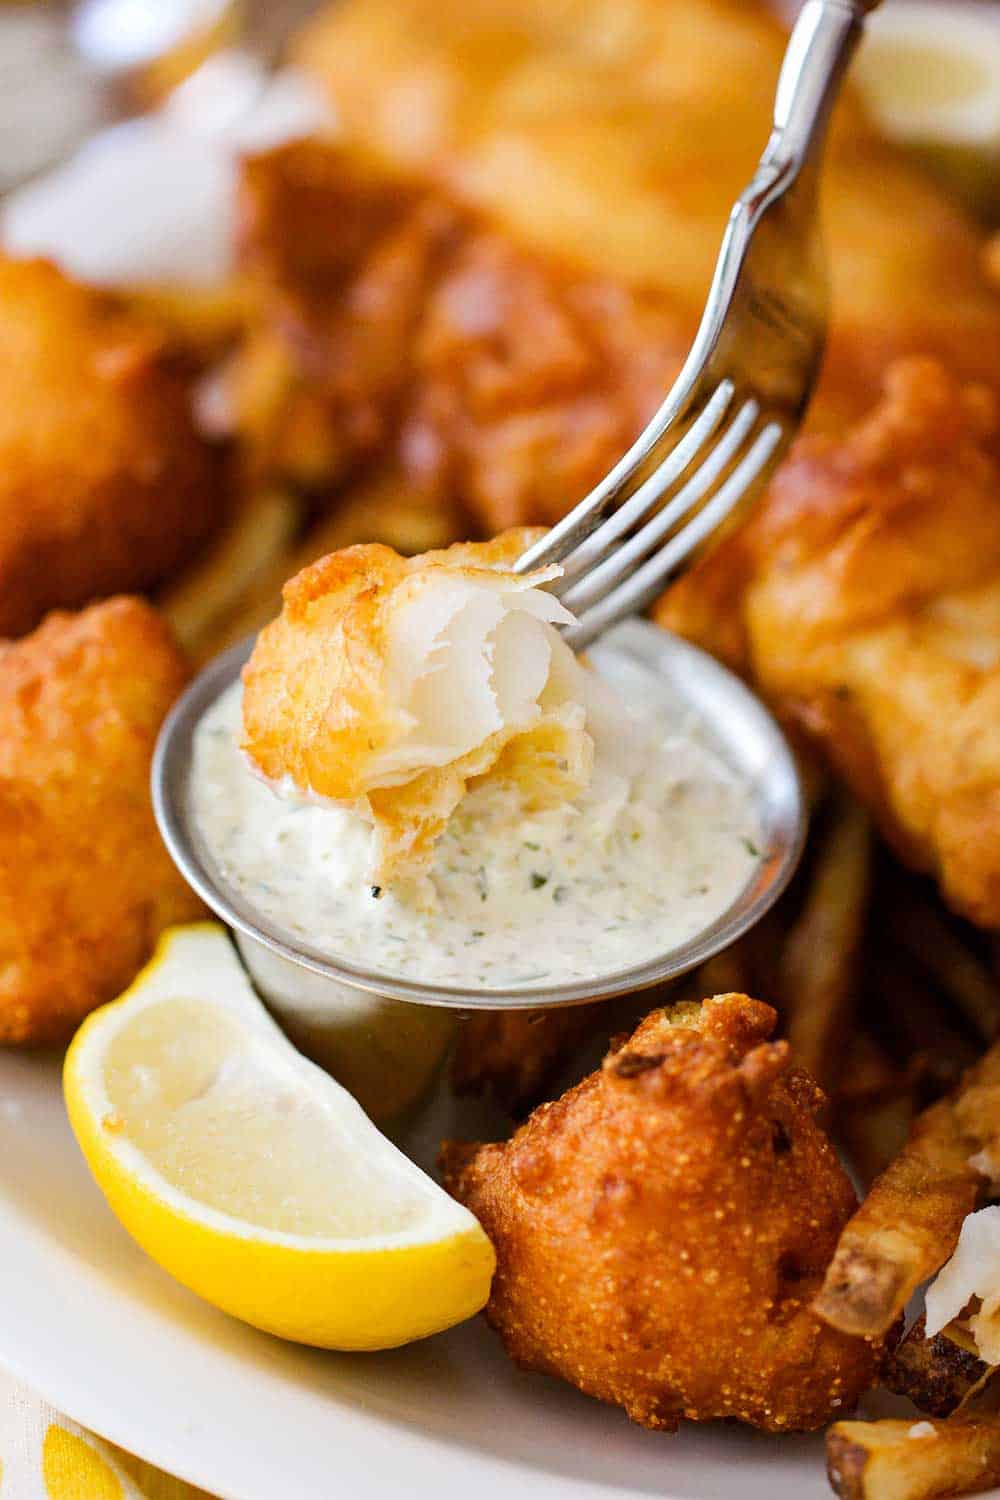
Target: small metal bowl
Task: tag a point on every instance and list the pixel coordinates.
(362, 1021)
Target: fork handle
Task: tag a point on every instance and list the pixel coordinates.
(819, 49)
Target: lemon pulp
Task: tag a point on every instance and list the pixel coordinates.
(251, 1175)
(189, 1089)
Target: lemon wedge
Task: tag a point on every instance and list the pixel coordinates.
(930, 74)
(250, 1175)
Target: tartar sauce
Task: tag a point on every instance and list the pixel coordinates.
(659, 845)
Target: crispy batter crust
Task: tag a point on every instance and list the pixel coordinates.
(318, 704)
(398, 323)
(865, 599)
(937, 1374)
(619, 150)
(85, 883)
(661, 1228)
(104, 482)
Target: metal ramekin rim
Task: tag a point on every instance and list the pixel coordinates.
(171, 769)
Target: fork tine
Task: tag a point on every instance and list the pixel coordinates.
(766, 310)
(631, 511)
(622, 560)
(642, 586)
(583, 519)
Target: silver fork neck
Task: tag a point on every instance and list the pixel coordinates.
(819, 50)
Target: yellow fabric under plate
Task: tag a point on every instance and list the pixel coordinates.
(44, 1456)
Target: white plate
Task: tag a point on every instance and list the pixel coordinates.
(109, 1339)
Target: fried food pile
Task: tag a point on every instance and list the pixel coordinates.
(484, 291)
(105, 483)
(398, 323)
(454, 321)
(86, 886)
(662, 1229)
(389, 684)
(864, 599)
(618, 149)
(490, 285)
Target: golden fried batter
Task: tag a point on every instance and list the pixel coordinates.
(396, 322)
(661, 1228)
(390, 683)
(494, 283)
(865, 598)
(85, 884)
(613, 141)
(104, 482)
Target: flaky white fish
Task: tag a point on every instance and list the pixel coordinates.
(389, 683)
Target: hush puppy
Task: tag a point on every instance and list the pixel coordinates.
(85, 883)
(661, 1229)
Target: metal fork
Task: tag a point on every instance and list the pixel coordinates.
(742, 391)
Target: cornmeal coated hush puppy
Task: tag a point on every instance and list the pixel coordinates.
(105, 483)
(85, 883)
(661, 1229)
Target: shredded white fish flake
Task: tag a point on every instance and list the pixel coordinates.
(973, 1271)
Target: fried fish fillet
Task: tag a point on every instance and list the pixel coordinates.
(613, 139)
(396, 323)
(864, 598)
(661, 1229)
(104, 482)
(493, 283)
(85, 883)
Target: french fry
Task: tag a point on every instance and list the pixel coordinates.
(917, 1018)
(940, 1374)
(922, 931)
(908, 1225)
(817, 983)
(873, 1108)
(261, 532)
(900, 1460)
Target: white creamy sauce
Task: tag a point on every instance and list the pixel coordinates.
(660, 844)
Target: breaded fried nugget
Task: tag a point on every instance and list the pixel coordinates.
(661, 1228)
(104, 482)
(389, 683)
(85, 883)
(865, 599)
